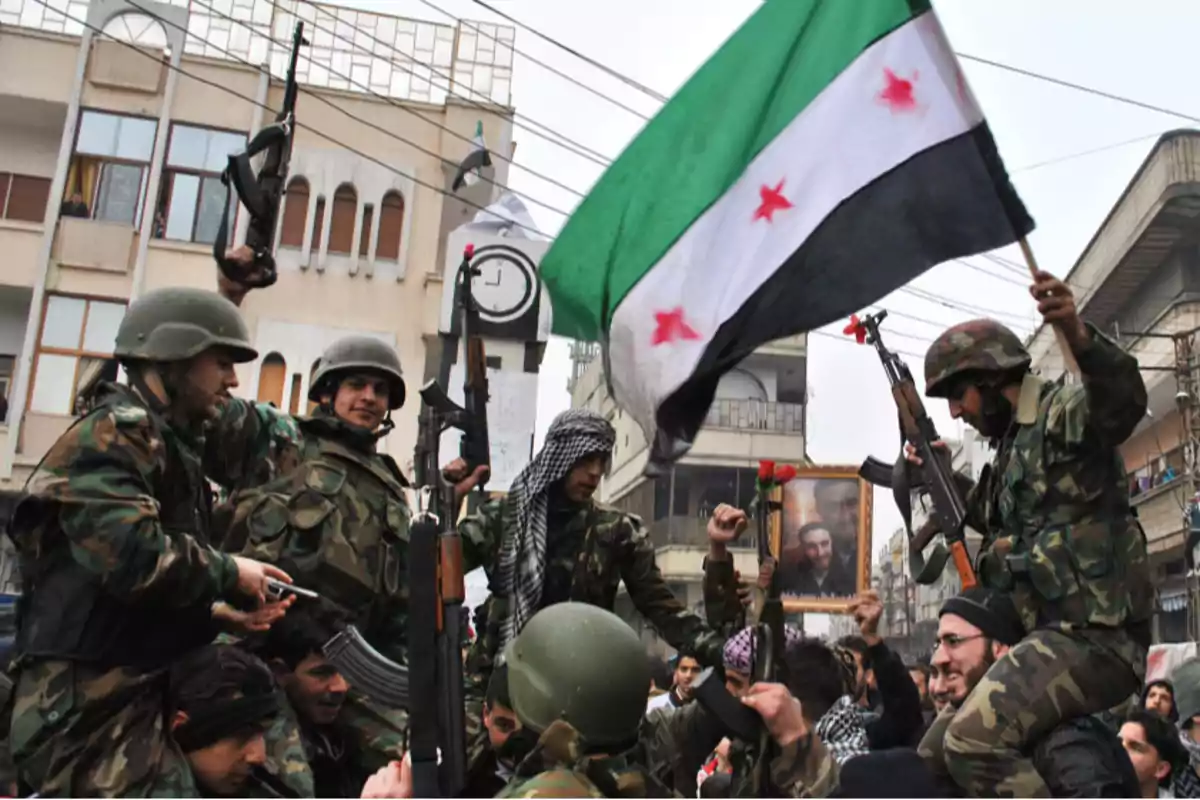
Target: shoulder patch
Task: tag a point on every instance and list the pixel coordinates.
(324, 478)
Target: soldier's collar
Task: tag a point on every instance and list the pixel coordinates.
(1030, 399)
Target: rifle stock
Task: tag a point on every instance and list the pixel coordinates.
(937, 477)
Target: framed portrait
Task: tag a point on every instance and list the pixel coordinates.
(821, 540)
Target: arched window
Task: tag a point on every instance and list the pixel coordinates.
(295, 213)
(341, 227)
(139, 29)
(294, 395)
(391, 226)
(364, 243)
(271, 378)
(318, 225)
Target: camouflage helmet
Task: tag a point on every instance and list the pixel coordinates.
(177, 323)
(357, 353)
(981, 345)
(582, 664)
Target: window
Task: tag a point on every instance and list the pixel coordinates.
(341, 227)
(391, 226)
(6, 376)
(295, 213)
(23, 197)
(108, 171)
(318, 226)
(364, 244)
(76, 340)
(192, 200)
(294, 402)
(270, 380)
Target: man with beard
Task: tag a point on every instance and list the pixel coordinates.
(120, 578)
(1077, 758)
(559, 544)
(1058, 535)
(837, 502)
(813, 567)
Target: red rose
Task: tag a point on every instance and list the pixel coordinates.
(784, 473)
(766, 471)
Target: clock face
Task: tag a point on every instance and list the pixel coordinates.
(506, 287)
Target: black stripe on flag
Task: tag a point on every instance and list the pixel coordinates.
(952, 200)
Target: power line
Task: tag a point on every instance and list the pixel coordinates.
(326, 101)
(628, 81)
(991, 274)
(1082, 153)
(234, 93)
(1079, 87)
(542, 64)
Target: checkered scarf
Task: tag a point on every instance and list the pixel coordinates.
(738, 654)
(573, 435)
(842, 731)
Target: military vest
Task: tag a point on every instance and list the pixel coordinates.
(1063, 539)
(65, 613)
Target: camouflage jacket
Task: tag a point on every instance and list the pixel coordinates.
(614, 547)
(339, 525)
(122, 502)
(557, 767)
(1054, 504)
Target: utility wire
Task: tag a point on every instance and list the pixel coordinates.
(541, 64)
(628, 81)
(555, 137)
(307, 92)
(234, 93)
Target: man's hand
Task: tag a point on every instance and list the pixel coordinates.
(456, 473)
(1056, 304)
(867, 611)
(910, 452)
(235, 291)
(247, 622)
(394, 780)
(781, 712)
(252, 577)
(726, 524)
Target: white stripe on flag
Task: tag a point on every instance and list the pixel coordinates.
(845, 139)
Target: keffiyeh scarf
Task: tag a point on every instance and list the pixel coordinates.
(572, 435)
(1186, 782)
(738, 654)
(842, 731)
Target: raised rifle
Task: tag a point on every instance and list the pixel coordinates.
(435, 571)
(261, 194)
(935, 477)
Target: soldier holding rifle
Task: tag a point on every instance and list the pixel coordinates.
(1059, 536)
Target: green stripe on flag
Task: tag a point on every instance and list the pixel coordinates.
(698, 145)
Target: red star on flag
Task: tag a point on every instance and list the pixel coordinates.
(772, 201)
(897, 93)
(671, 326)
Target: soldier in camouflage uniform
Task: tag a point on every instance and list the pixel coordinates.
(1059, 536)
(578, 678)
(339, 522)
(113, 538)
(556, 543)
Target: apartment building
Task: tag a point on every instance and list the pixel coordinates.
(1138, 280)
(758, 414)
(116, 119)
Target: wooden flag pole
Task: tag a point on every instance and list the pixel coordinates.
(1031, 262)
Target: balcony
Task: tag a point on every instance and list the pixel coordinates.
(1159, 494)
(19, 241)
(756, 415)
(692, 532)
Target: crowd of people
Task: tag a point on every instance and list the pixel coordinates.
(154, 656)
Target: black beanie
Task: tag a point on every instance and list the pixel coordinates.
(990, 611)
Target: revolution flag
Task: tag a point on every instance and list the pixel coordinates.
(826, 155)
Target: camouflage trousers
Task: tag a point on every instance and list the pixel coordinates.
(1049, 677)
(78, 731)
(377, 734)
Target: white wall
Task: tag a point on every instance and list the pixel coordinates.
(29, 151)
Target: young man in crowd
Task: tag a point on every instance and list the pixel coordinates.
(1154, 750)
(687, 669)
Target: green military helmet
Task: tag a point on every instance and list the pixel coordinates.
(177, 323)
(980, 345)
(582, 664)
(358, 354)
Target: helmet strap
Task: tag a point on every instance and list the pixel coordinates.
(150, 384)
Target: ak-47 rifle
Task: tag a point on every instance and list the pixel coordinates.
(937, 477)
(435, 572)
(261, 194)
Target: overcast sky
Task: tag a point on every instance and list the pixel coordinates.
(1144, 51)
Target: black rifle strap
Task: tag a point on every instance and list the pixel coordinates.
(422, 655)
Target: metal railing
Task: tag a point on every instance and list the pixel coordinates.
(1160, 470)
(756, 415)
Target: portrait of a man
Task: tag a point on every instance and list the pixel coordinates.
(822, 534)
